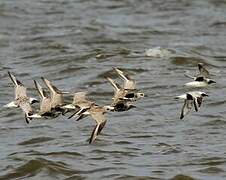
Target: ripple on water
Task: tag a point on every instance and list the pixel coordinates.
(35, 166)
(215, 122)
(114, 152)
(128, 177)
(182, 177)
(75, 44)
(212, 170)
(58, 153)
(182, 60)
(36, 141)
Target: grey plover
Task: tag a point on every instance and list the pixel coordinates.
(21, 99)
(56, 95)
(98, 114)
(120, 99)
(129, 85)
(20, 91)
(80, 103)
(45, 103)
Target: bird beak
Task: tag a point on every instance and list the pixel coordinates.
(35, 101)
(212, 81)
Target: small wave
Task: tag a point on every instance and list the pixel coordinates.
(35, 166)
(59, 153)
(128, 177)
(114, 152)
(182, 177)
(36, 140)
(212, 170)
(216, 122)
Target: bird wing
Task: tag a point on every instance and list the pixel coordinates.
(26, 108)
(202, 70)
(115, 86)
(128, 82)
(94, 134)
(51, 87)
(196, 104)
(39, 89)
(98, 114)
(20, 89)
(45, 105)
(101, 127)
(14, 80)
(188, 104)
(78, 97)
(56, 95)
(199, 101)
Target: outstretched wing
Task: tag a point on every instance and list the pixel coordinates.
(188, 104)
(20, 89)
(39, 89)
(115, 86)
(128, 82)
(79, 97)
(52, 88)
(14, 80)
(26, 108)
(94, 134)
(202, 70)
(199, 101)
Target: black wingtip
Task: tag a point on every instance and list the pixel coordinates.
(27, 119)
(43, 79)
(90, 140)
(181, 116)
(196, 106)
(72, 115)
(80, 117)
(95, 130)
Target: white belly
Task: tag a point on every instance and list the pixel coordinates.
(196, 84)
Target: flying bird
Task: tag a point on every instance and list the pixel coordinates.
(191, 99)
(80, 103)
(121, 98)
(45, 109)
(129, 86)
(201, 79)
(21, 99)
(56, 95)
(98, 114)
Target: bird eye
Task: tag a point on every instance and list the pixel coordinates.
(141, 94)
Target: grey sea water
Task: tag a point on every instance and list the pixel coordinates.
(75, 44)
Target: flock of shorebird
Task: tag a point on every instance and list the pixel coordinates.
(123, 99)
(194, 98)
(53, 105)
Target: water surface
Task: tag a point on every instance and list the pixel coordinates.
(75, 44)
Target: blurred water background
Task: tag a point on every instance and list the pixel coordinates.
(75, 44)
